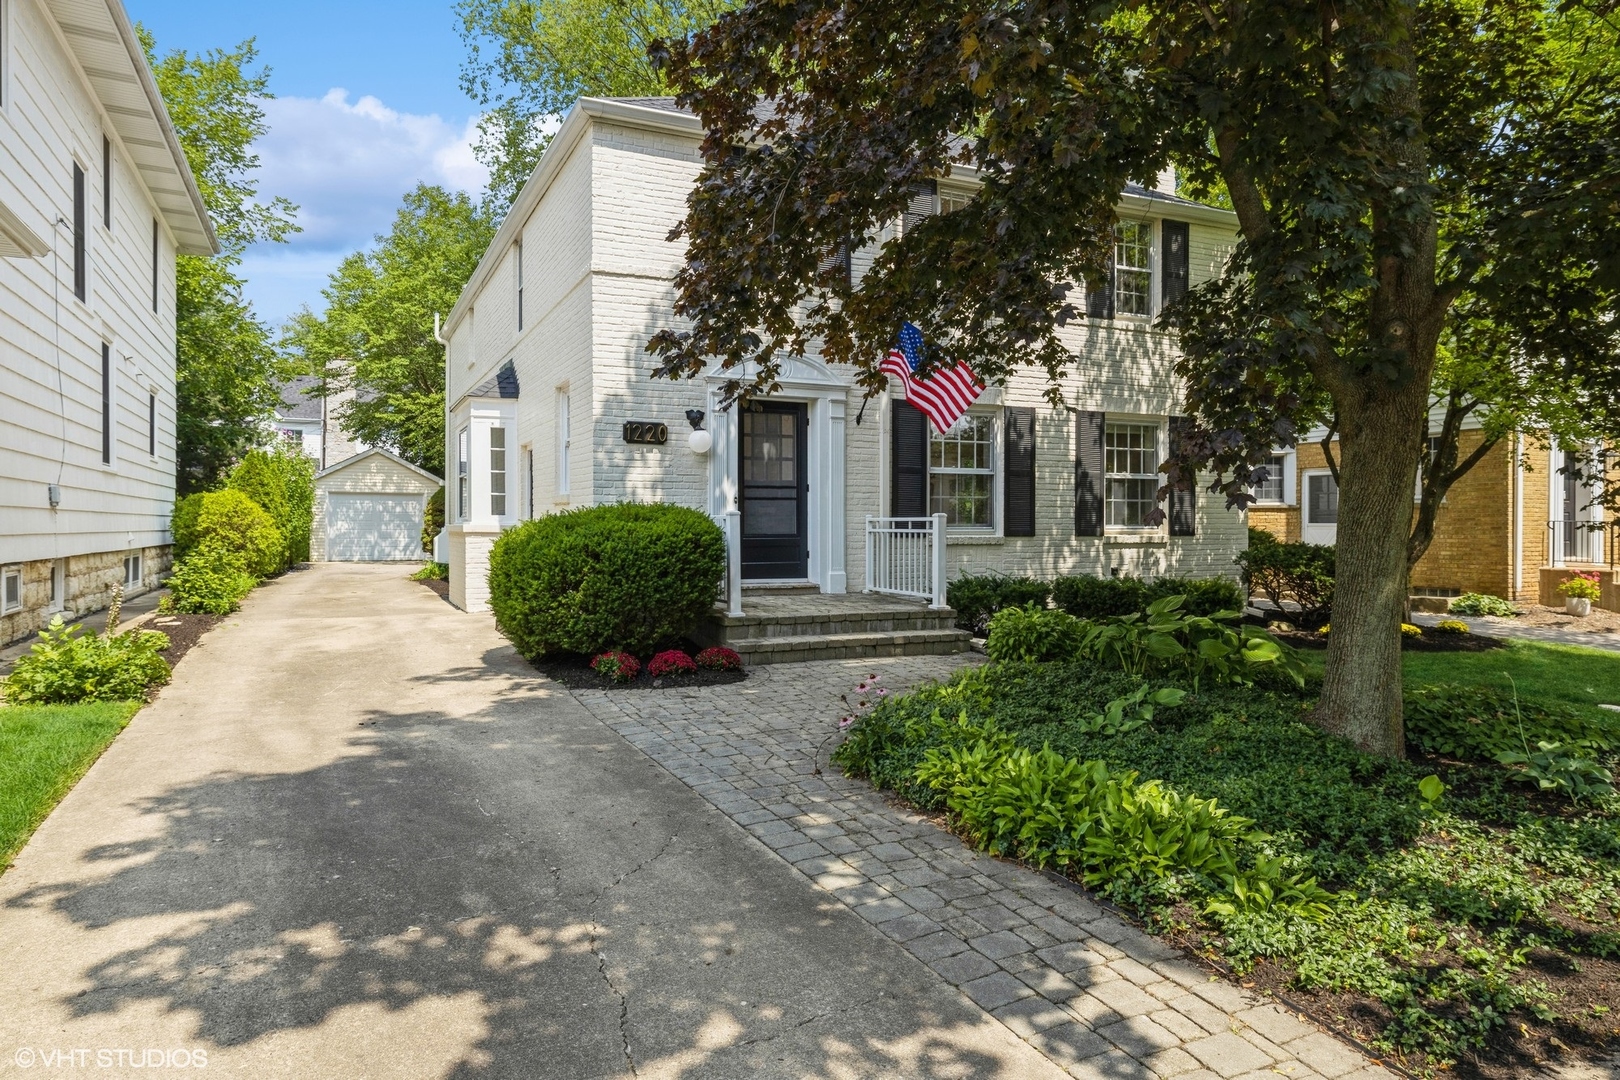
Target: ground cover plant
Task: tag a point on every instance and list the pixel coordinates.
(68, 666)
(44, 750)
(1441, 907)
(1473, 603)
(433, 571)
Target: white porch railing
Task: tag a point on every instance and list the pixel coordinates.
(906, 557)
(731, 590)
(1575, 542)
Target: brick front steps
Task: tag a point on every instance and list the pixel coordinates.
(793, 625)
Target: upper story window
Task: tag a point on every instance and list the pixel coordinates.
(155, 278)
(81, 267)
(1131, 468)
(1133, 268)
(497, 472)
(962, 471)
(517, 274)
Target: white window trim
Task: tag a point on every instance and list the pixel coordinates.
(6, 573)
(134, 561)
(1290, 480)
(464, 473)
(1152, 268)
(1305, 522)
(997, 479)
(1161, 442)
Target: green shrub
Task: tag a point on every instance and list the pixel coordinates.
(976, 597)
(1300, 573)
(1203, 596)
(630, 576)
(1473, 603)
(68, 666)
(1165, 639)
(1476, 723)
(232, 522)
(282, 482)
(433, 519)
(1034, 634)
(433, 571)
(183, 524)
(1087, 597)
(209, 581)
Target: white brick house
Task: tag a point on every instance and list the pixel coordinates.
(547, 380)
(96, 200)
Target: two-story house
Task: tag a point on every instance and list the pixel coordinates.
(96, 200)
(551, 404)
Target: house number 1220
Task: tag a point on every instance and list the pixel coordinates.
(646, 431)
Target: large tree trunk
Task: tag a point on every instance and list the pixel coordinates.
(1361, 688)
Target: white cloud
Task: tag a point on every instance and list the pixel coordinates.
(346, 165)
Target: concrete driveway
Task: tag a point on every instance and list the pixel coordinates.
(359, 837)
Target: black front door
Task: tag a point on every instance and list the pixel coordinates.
(774, 538)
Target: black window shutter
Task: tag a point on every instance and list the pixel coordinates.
(81, 271)
(154, 264)
(106, 182)
(1175, 266)
(908, 489)
(1184, 496)
(1018, 494)
(106, 404)
(1100, 301)
(1088, 473)
(923, 200)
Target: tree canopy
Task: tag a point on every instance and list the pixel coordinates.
(1390, 163)
(529, 60)
(375, 336)
(226, 372)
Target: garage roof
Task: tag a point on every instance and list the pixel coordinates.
(349, 462)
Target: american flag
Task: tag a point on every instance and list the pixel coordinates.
(943, 395)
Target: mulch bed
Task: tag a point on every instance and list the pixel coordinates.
(184, 632)
(574, 671)
(1432, 641)
(439, 586)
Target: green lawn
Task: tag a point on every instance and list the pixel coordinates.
(1548, 674)
(44, 749)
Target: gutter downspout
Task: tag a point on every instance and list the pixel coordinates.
(1518, 514)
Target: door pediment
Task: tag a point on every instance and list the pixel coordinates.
(797, 372)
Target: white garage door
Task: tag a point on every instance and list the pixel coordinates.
(373, 528)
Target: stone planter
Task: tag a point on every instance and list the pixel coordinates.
(1578, 606)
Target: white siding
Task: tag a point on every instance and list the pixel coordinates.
(50, 341)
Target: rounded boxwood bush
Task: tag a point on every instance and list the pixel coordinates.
(230, 522)
(626, 576)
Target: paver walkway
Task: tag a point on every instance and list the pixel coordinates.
(1081, 985)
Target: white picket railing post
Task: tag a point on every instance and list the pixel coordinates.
(869, 554)
(734, 562)
(938, 569)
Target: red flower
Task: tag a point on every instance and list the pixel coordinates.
(618, 666)
(719, 658)
(672, 662)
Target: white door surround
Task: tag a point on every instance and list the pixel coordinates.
(826, 394)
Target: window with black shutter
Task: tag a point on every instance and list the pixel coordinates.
(1100, 300)
(908, 488)
(1174, 272)
(1088, 472)
(81, 271)
(922, 204)
(1018, 473)
(1184, 496)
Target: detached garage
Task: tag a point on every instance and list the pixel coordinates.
(369, 508)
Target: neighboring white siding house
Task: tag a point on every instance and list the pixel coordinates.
(546, 367)
(96, 199)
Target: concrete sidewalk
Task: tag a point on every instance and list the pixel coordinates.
(358, 837)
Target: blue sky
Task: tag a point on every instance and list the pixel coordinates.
(367, 104)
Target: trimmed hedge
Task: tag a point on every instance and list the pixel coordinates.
(626, 576)
(232, 522)
(1301, 573)
(1087, 597)
(977, 597)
